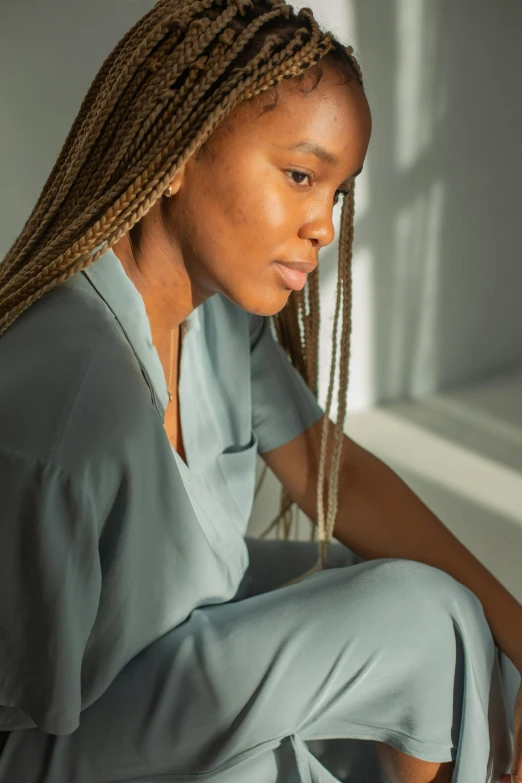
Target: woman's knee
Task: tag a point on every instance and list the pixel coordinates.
(425, 584)
(421, 603)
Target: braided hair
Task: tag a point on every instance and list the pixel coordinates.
(158, 97)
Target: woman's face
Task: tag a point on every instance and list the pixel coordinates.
(258, 194)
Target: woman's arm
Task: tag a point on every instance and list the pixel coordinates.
(380, 516)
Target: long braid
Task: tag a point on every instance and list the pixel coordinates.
(161, 93)
(326, 521)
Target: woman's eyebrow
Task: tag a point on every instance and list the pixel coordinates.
(319, 152)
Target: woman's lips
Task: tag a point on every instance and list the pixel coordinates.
(294, 278)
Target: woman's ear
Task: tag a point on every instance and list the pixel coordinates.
(176, 183)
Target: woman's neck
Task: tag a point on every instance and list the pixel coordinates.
(162, 284)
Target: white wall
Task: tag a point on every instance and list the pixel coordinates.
(437, 269)
(50, 53)
(437, 274)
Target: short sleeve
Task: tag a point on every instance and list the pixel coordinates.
(50, 582)
(283, 406)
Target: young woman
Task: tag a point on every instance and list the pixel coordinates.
(143, 636)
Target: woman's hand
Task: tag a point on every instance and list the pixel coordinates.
(516, 767)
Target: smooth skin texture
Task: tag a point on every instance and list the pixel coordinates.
(245, 202)
(247, 199)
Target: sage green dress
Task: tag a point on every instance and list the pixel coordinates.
(141, 638)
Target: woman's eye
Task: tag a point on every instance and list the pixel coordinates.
(299, 174)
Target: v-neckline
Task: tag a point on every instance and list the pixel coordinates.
(180, 429)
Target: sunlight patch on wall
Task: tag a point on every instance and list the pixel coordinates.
(361, 389)
(424, 350)
(361, 375)
(335, 15)
(414, 295)
(420, 96)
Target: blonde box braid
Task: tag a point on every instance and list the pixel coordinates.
(141, 187)
(158, 97)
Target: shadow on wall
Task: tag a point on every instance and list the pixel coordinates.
(437, 275)
(49, 55)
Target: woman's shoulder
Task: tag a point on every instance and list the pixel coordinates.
(71, 383)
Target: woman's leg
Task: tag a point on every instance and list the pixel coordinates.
(272, 563)
(387, 651)
(403, 768)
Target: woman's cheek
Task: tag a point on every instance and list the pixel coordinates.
(275, 211)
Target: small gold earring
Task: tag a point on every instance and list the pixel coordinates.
(168, 192)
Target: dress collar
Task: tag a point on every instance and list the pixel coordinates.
(113, 285)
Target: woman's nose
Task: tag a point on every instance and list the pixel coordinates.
(320, 231)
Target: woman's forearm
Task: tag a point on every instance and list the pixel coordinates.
(380, 516)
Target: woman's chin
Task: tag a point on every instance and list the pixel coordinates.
(268, 304)
(263, 297)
